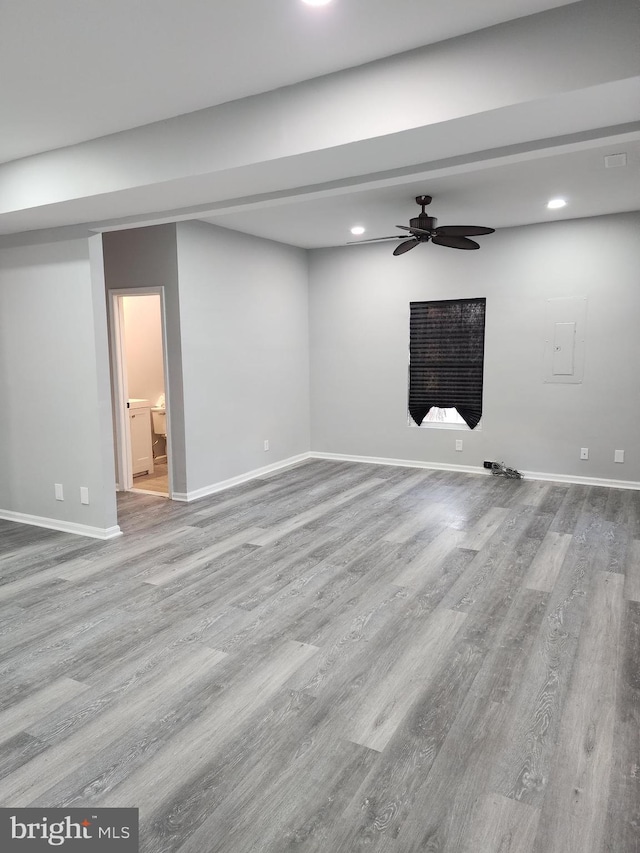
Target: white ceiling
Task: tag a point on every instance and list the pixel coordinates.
(77, 70)
(501, 193)
(73, 70)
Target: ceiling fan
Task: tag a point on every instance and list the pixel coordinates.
(424, 228)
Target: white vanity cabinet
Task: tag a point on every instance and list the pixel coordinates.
(140, 432)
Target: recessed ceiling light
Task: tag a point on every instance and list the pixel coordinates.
(316, 2)
(556, 203)
(357, 230)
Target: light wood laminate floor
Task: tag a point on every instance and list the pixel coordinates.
(335, 658)
(156, 483)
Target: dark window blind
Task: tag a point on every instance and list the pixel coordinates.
(446, 357)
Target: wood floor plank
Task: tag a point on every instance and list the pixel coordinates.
(387, 797)
(390, 794)
(421, 522)
(427, 563)
(613, 547)
(26, 784)
(574, 810)
(535, 492)
(523, 766)
(548, 561)
(406, 480)
(15, 589)
(299, 520)
(195, 745)
(460, 764)
(633, 513)
(509, 640)
(148, 737)
(204, 556)
(484, 529)
(386, 703)
(493, 567)
(622, 827)
(366, 616)
(443, 804)
(312, 778)
(568, 513)
(21, 716)
(554, 498)
(501, 825)
(632, 573)
(17, 751)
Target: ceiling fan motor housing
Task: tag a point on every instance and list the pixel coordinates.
(424, 222)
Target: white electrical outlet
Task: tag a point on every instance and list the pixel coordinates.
(59, 491)
(458, 444)
(584, 453)
(84, 495)
(618, 455)
(266, 444)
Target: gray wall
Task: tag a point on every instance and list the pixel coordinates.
(55, 416)
(359, 304)
(239, 331)
(244, 323)
(146, 257)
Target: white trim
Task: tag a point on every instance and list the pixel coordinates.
(582, 481)
(187, 497)
(149, 492)
(400, 463)
(63, 526)
(469, 469)
(122, 437)
(444, 425)
(120, 392)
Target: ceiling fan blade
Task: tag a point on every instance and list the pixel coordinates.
(463, 230)
(376, 239)
(414, 230)
(404, 247)
(455, 242)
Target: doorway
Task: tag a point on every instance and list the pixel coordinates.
(140, 391)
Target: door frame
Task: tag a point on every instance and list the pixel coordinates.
(122, 435)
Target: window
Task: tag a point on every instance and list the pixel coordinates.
(446, 358)
(443, 418)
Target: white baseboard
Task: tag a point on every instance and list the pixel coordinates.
(399, 463)
(582, 481)
(62, 526)
(470, 469)
(187, 497)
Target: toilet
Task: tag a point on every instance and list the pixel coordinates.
(159, 418)
(159, 424)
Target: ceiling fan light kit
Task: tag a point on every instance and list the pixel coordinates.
(424, 228)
